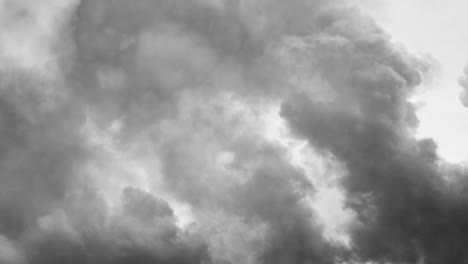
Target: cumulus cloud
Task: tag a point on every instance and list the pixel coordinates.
(141, 132)
(404, 207)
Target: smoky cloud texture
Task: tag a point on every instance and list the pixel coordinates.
(142, 132)
(405, 208)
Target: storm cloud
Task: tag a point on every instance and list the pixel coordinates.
(167, 131)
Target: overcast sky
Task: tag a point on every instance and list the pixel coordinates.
(233, 131)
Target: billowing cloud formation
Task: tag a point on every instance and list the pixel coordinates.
(406, 211)
(141, 132)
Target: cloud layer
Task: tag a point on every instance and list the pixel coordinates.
(142, 132)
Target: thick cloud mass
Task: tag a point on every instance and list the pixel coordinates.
(408, 214)
(141, 132)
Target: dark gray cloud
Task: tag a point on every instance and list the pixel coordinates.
(406, 211)
(135, 132)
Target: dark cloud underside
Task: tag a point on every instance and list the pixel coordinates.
(136, 132)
